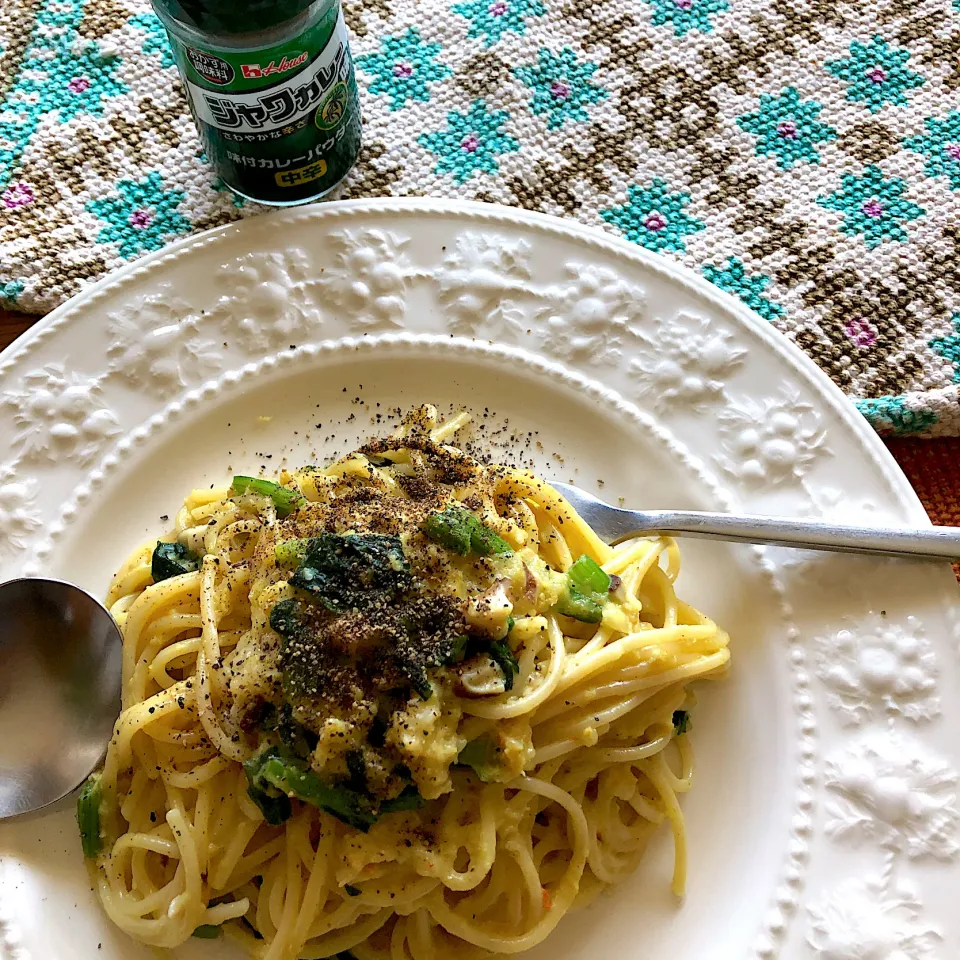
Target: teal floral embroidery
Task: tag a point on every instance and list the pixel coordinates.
(654, 217)
(873, 207)
(561, 87)
(876, 74)
(10, 292)
(949, 347)
(491, 19)
(156, 37)
(60, 72)
(787, 128)
(733, 278)
(686, 15)
(471, 143)
(941, 147)
(403, 68)
(140, 216)
(220, 186)
(890, 416)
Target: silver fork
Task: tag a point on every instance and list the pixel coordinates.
(614, 524)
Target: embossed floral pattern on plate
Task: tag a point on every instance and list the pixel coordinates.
(880, 668)
(873, 829)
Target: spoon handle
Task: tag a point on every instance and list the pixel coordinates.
(913, 542)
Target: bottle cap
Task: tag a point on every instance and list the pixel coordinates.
(232, 16)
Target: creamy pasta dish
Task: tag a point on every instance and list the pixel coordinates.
(407, 705)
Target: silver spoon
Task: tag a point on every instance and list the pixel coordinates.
(60, 665)
(614, 525)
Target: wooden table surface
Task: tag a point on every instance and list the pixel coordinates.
(12, 325)
(932, 466)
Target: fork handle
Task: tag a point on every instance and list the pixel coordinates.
(814, 535)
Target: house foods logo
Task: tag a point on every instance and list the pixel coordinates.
(254, 71)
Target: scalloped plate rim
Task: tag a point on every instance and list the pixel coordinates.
(827, 389)
(779, 379)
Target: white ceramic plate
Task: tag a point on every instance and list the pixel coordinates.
(823, 822)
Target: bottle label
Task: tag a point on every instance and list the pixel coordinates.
(282, 123)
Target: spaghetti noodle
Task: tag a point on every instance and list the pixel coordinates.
(405, 704)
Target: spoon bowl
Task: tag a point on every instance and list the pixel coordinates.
(60, 674)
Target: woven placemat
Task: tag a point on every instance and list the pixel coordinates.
(801, 154)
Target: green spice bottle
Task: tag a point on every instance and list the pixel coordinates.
(272, 89)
